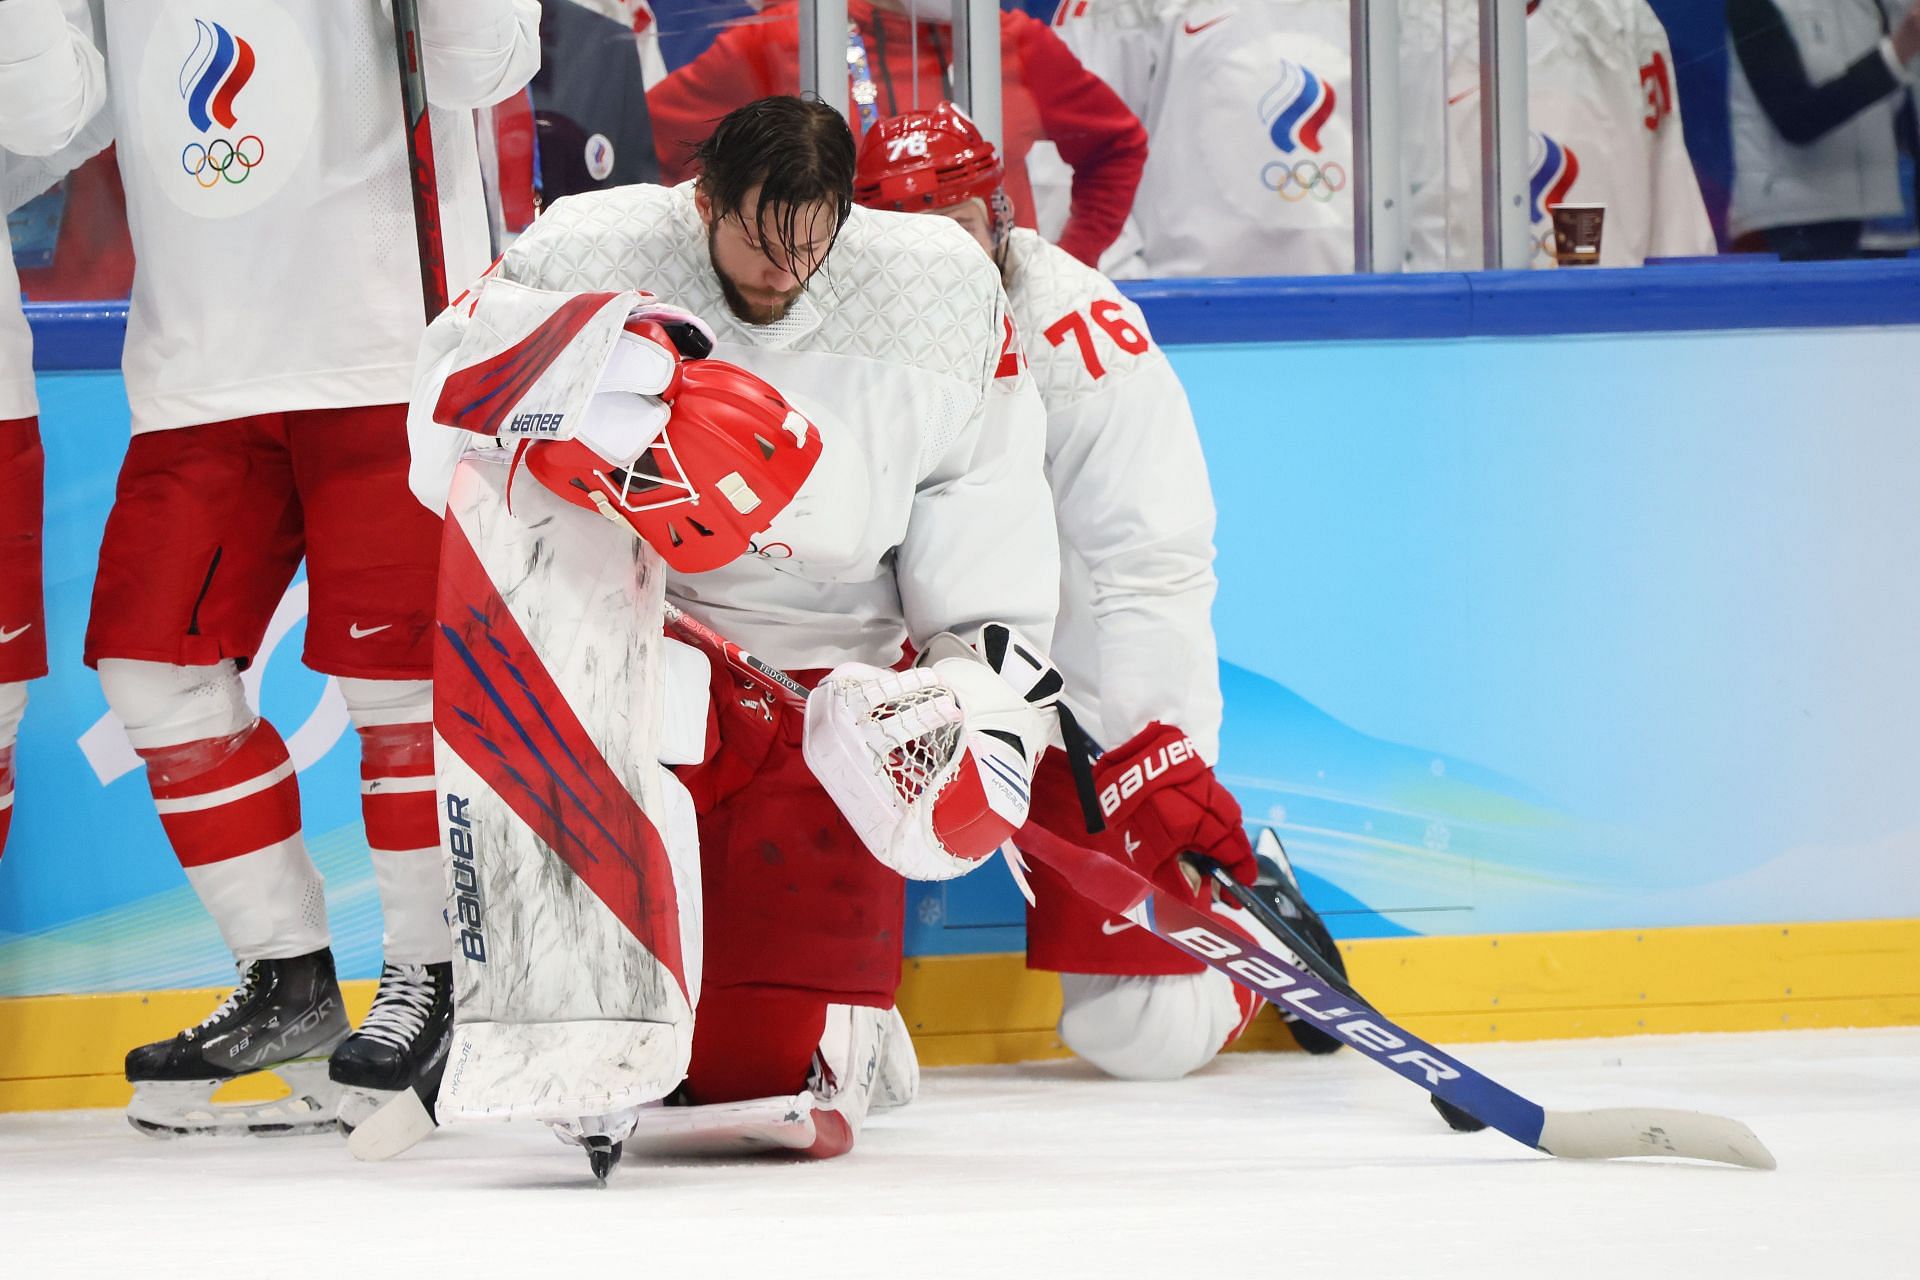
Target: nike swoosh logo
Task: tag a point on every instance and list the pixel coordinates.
(1111, 927)
(8, 637)
(1192, 30)
(358, 633)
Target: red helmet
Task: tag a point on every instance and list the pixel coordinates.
(925, 160)
(729, 459)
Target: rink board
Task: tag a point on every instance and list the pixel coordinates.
(1533, 626)
(63, 1051)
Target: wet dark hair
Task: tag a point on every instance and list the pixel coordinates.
(798, 151)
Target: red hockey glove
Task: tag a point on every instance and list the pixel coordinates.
(1163, 799)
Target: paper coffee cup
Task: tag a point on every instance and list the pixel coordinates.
(1576, 234)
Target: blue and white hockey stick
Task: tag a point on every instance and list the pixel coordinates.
(1580, 1135)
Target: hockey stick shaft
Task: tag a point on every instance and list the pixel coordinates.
(425, 179)
(1311, 960)
(705, 637)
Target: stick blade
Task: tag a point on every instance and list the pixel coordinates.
(1620, 1132)
(400, 1124)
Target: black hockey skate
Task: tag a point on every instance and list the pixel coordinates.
(284, 1017)
(1277, 884)
(402, 1043)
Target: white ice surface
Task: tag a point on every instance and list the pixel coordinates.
(1281, 1167)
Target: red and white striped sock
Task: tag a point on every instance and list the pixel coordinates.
(403, 832)
(393, 718)
(231, 809)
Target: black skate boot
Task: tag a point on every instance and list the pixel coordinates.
(284, 1017)
(1281, 888)
(402, 1042)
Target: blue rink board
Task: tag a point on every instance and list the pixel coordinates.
(1518, 632)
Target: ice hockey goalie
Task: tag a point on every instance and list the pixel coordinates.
(677, 892)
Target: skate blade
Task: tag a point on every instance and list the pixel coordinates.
(186, 1109)
(399, 1125)
(603, 1161)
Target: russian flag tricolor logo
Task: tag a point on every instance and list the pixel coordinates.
(1555, 169)
(214, 74)
(1296, 109)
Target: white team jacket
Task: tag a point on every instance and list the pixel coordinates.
(1130, 492)
(1250, 110)
(52, 86)
(1604, 119)
(265, 164)
(928, 510)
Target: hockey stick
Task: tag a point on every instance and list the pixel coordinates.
(425, 180)
(406, 1118)
(1310, 958)
(1581, 1135)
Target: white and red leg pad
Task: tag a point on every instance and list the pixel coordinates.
(226, 793)
(573, 857)
(394, 721)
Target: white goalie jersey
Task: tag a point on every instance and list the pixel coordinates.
(928, 510)
(1135, 637)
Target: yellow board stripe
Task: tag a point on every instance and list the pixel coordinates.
(66, 1051)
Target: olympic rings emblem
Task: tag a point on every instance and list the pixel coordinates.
(220, 160)
(1295, 182)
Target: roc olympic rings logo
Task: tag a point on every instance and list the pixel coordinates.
(210, 164)
(1295, 182)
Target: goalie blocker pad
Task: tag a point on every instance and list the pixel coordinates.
(574, 900)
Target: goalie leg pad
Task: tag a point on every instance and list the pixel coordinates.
(573, 910)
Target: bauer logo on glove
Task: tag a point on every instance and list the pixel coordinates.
(1158, 791)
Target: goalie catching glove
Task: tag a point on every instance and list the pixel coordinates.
(933, 767)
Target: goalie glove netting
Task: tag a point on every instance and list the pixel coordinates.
(913, 764)
(886, 745)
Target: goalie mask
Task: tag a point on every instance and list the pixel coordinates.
(729, 458)
(925, 161)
